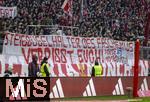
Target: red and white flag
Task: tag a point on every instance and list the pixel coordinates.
(1, 2)
(67, 5)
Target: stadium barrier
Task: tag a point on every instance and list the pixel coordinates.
(68, 87)
(96, 86)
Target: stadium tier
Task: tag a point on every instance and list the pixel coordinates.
(118, 19)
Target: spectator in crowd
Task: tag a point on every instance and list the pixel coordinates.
(117, 19)
(33, 67)
(44, 70)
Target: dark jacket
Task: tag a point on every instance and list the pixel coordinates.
(33, 68)
(93, 72)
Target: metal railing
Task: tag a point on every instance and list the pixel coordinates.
(52, 30)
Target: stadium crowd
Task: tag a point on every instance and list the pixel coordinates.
(118, 19)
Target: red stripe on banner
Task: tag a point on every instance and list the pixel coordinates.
(40, 53)
(55, 69)
(75, 67)
(63, 67)
(6, 66)
(106, 69)
(122, 69)
(26, 56)
(117, 69)
(17, 68)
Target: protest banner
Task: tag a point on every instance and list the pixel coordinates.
(7, 12)
(67, 54)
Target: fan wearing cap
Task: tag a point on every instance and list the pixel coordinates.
(44, 70)
(33, 67)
